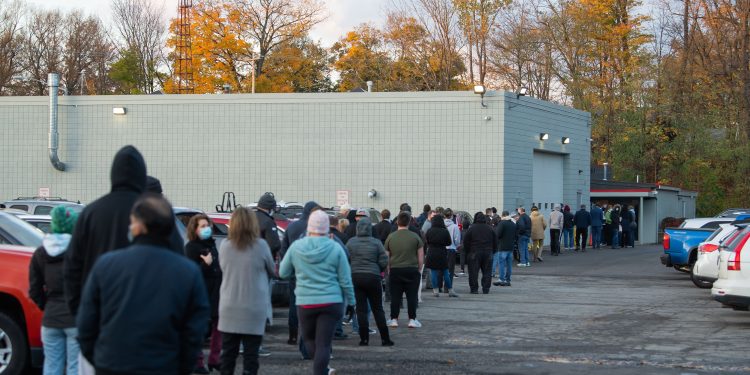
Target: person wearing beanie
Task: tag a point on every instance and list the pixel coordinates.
(268, 229)
(176, 242)
(324, 283)
(46, 290)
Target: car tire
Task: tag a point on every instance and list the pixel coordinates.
(699, 283)
(13, 348)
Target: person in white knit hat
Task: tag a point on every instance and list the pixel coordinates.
(322, 270)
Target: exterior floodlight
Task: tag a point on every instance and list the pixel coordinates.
(481, 90)
(565, 140)
(372, 193)
(522, 92)
(118, 110)
(543, 136)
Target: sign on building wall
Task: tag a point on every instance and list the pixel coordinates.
(342, 197)
(43, 192)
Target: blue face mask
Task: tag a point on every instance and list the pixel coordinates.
(205, 233)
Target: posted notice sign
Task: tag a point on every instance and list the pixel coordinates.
(44, 192)
(342, 197)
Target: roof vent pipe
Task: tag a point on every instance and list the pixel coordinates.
(369, 86)
(53, 82)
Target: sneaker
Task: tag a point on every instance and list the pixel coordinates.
(372, 331)
(393, 323)
(528, 264)
(263, 352)
(413, 323)
(521, 265)
(498, 283)
(331, 371)
(461, 274)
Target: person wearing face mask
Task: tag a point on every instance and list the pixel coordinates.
(201, 248)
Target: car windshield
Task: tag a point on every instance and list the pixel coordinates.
(24, 233)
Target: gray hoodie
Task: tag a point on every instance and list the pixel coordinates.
(366, 253)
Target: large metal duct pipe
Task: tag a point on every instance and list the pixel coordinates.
(53, 81)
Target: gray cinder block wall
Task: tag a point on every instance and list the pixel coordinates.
(440, 148)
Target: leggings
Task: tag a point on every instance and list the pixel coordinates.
(317, 325)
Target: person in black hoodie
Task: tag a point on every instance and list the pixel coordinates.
(176, 242)
(103, 225)
(268, 229)
(46, 290)
(201, 249)
(438, 239)
(479, 243)
(144, 308)
(616, 227)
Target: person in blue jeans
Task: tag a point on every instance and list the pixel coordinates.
(523, 231)
(46, 290)
(506, 236)
(568, 219)
(597, 221)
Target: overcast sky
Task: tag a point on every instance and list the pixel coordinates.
(343, 15)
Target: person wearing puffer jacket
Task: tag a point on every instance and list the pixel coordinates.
(368, 260)
(46, 290)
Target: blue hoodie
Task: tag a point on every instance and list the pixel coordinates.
(322, 271)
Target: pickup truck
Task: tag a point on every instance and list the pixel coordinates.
(681, 244)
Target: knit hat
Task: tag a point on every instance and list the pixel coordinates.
(63, 220)
(318, 222)
(153, 185)
(362, 212)
(267, 201)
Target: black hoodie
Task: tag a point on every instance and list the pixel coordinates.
(104, 224)
(480, 236)
(296, 229)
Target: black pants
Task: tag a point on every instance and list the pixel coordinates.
(404, 280)
(582, 236)
(316, 327)
(554, 241)
(368, 288)
(231, 348)
(480, 260)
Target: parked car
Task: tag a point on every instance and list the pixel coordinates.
(706, 268)
(41, 206)
(681, 244)
(184, 214)
(41, 222)
(734, 212)
(733, 286)
(14, 231)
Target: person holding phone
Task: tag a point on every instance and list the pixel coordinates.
(201, 248)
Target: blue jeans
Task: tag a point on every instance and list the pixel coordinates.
(596, 236)
(615, 237)
(505, 264)
(447, 282)
(568, 238)
(495, 262)
(60, 346)
(523, 248)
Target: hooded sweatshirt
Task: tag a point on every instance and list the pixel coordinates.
(366, 253)
(480, 236)
(46, 281)
(455, 233)
(322, 271)
(104, 224)
(298, 228)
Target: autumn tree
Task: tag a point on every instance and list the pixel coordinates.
(298, 65)
(478, 20)
(10, 42)
(360, 56)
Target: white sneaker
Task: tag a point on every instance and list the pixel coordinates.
(393, 323)
(521, 264)
(461, 274)
(413, 323)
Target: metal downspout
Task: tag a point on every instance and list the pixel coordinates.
(53, 81)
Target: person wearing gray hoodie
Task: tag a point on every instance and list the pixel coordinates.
(368, 261)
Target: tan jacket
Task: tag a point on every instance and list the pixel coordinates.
(538, 225)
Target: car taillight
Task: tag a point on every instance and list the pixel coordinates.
(708, 248)
(733, 263)
(666, 241)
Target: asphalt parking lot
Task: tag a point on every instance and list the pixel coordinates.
(603, 311)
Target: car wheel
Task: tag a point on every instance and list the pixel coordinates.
(699, 283)
(13, 348)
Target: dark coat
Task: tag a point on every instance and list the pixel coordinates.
(211, 274)
(366, 253)
(597, 217)
(568, 220)
(480, 237)
(615, 216)
(144, 310)
(269, 231)
(523, 226)
(582, 219)
(104, 224)
(437, 240)
(46, 289)
(506, 235)
(297, 229)
(341, 236)
(382, 229)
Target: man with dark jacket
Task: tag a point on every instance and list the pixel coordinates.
(582, 221)
(382, 229)
(597, 221)
(126, 325)
(351, 230)
(266, 223)
(479, 243)
(103, 225)
(523, 231)
(506, 239)
(176, 242)
(615, 227)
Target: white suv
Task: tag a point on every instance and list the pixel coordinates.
(706, 269)
(733, 286)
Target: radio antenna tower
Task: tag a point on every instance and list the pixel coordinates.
(184, 71)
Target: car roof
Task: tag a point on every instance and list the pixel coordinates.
(28, 217)
(13, 211)
(699, 222)
(186, 210)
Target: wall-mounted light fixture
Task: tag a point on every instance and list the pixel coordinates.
(543, 136)
(565, 140)
(372, 193)
(481, 90)
(522, 92)
(118, 110)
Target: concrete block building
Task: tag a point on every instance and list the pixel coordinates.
(444, 148)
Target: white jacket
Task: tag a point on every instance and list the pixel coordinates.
(556, 220)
